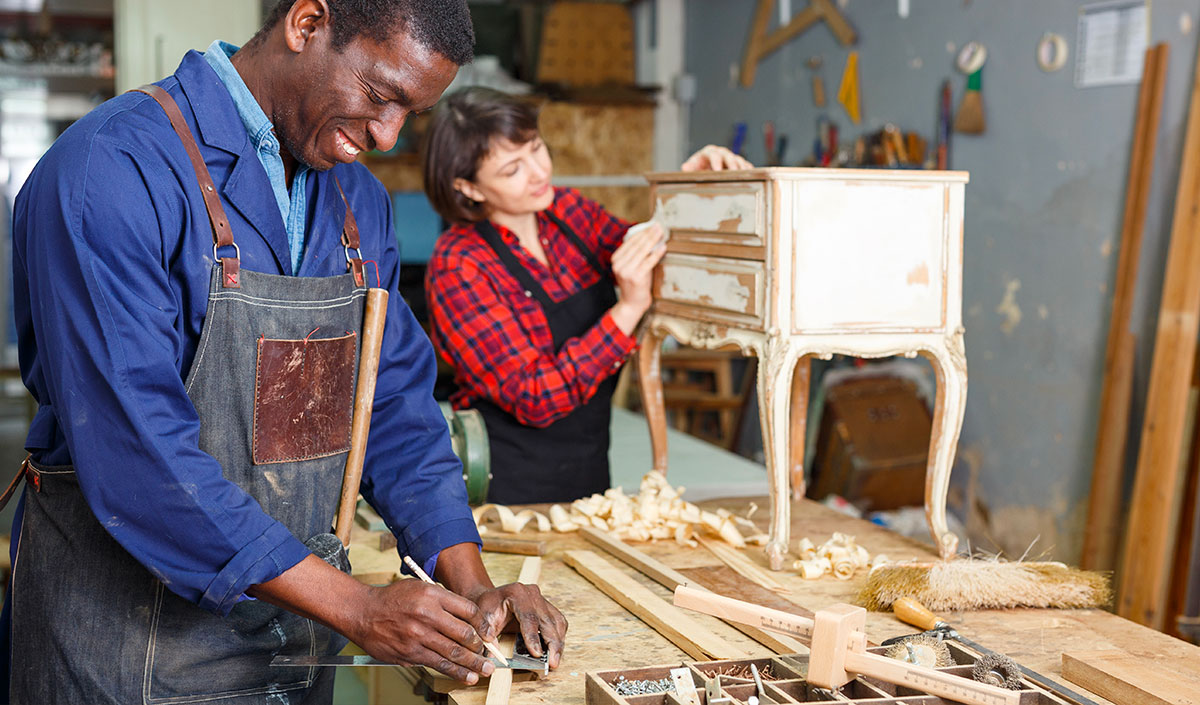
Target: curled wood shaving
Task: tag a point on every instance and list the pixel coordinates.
(840, 557)
(657, 512)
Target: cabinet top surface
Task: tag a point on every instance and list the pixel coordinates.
(819, 174)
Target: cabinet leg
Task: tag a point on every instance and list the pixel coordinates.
(773, 405)
(649, 359)
(950, 365)
(799, 423)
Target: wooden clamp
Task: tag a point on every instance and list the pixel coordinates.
(760, 43)
(838, 650)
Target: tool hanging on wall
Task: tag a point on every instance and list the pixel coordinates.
(769, 142)
(943, 131)
(818, 82)
(739, 138)
(760, 43)
(848, 93)
(970, 117)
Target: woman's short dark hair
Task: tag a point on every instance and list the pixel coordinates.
(464, 126)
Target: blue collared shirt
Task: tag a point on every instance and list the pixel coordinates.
(112, 255)
(293, 206)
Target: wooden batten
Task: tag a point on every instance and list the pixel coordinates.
(668, 620)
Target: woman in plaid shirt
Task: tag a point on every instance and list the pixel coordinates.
(521, 295)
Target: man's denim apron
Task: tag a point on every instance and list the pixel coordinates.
(90, 623)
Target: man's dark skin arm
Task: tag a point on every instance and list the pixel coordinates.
(414, 623)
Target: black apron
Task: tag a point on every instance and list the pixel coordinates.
(143, 643)
(569, 458)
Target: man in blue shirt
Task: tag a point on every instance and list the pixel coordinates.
(188, 326)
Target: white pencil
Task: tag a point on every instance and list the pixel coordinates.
(416, 569)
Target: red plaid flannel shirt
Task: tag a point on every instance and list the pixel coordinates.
(498, 340)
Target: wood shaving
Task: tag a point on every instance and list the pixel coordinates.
(840, 557)
(657, 512)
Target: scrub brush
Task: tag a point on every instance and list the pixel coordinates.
(985, 583)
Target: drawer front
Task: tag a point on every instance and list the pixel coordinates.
(711, 284)
(718, 213)
(871, 256)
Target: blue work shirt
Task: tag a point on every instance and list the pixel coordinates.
(112, 253)
(293, 205)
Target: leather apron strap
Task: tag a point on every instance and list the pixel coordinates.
(222, 233)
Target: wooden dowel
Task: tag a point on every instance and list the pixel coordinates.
(521, 547)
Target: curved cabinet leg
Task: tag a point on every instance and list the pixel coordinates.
(798, 437)
(649, 359)
(950, 365)
(774, 401)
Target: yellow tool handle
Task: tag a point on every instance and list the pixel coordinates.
(364, 399)
(909, 611)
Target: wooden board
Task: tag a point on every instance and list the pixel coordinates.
(1104, 509)
(670, 579)
(586, 44)
(500, 684)
(1150, 538)
(1127, 679)
(667, 619)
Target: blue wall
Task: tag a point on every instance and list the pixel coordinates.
(1043, 213)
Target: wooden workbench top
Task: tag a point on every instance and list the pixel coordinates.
(603, 635)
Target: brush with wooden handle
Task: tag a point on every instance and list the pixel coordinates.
(838, 651)
(910, 611)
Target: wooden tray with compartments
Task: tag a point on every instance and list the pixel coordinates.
(783, 679)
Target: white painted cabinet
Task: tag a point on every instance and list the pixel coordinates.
(787, 263)
(153, 35)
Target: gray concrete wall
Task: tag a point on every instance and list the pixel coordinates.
(1043, 215)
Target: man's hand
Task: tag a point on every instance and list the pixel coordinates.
(538, 620)
(411, 622)
(408, 622)
(714, 158)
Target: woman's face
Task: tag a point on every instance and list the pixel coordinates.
(513, 179)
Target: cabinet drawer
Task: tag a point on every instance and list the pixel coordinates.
(715, 213)
(711, 284)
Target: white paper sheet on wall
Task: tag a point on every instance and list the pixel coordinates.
(1111, 43)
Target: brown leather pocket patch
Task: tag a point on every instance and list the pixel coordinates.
(303, 398)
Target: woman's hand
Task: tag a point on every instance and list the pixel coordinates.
(714, 158)
(633, 269)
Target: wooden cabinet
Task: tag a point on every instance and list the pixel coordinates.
(787, 263)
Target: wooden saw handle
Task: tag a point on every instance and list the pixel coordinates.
(364, 399)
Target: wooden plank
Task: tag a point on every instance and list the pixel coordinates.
(723, 580)
(1181, 574)
(1104, 507)
(500, 684)
(1128, 679)
(1150, 539)
(521, 547)
(665, 618)
(740, 563)
(670, 579)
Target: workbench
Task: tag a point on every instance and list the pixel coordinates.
(604, 635)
